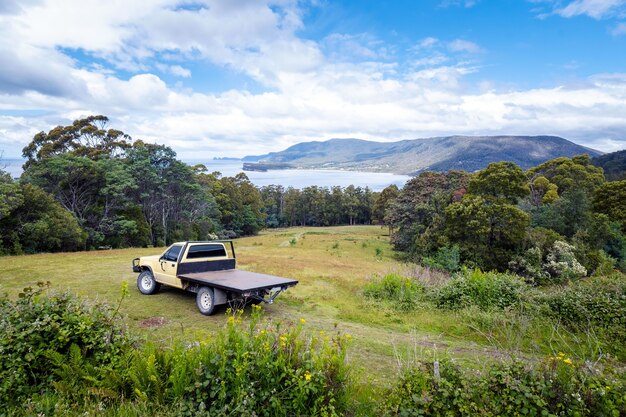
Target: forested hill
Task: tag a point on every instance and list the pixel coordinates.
(614, 165)
(469, 153)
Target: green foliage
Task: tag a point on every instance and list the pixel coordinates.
(503, 180)
(317, 206)
(60, 354)
(570, 174)
(561, 264)
(417, 217)
(447, 259)
(239, 202)
(486, 290)
(613, 164)
(85, 138)
(544, 265)
(557, 387)
(596, 304)
(488, 230)
(40, 334)
(10, 195)
(269, 370)
(383, 203)
(402, 292)
(610, 199)
(39, 224)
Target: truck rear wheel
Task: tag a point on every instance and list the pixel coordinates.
(205, 300)
(146, 283)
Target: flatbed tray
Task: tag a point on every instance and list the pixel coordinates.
(238, 280)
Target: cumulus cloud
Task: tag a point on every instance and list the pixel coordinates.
(309, 92)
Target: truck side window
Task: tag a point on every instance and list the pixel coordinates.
(206, 251)
(172, 254)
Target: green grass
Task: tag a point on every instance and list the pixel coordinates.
(329, 295)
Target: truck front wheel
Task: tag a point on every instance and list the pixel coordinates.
(146, 283)
(205, 299)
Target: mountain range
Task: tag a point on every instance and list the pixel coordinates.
(469, 153)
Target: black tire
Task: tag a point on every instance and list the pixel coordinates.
(205, 300)
(147, 284)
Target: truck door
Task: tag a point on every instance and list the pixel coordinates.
(166, 270)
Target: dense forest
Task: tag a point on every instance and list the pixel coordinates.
(85, 187)
(556, 221)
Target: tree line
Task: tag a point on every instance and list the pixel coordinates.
(555, 221)
(86, 186)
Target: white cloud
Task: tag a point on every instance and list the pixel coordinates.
(311, 95)
(597, 9)
(175, 70)
(460, 45)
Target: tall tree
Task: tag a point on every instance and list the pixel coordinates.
(383, 203)
(610, 199)
(86, 137)
(502, 180)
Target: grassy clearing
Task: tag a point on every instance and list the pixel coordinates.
(333, 266)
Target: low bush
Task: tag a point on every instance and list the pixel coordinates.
(247, 369)
(446, 259)
(38, 331)
(557, 387)
(62, 356)
(595, 304)
(402, 292)
(486, 290)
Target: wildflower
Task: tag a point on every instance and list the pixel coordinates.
(568, 361)
(307, 375)
(302, 321)
(348, 336)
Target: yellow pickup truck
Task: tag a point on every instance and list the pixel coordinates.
(209, 270)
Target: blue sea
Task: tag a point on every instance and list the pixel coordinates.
(297, 178)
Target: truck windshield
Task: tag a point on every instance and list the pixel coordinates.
(172, 254)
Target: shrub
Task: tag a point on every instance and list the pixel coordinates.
(487, 290)
(38, 332)
(596, 304)
(246, 369)
(557, 387)
(561, 263)
(530, 266)
(61, 356)
(447, 259)
(403, 292)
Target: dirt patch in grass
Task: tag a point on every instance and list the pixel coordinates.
(152, 322)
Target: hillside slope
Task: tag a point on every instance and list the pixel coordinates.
(614, 165)
(469, 153)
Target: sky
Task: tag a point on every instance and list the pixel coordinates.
(217, 78)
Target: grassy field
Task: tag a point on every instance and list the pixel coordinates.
(332, 265)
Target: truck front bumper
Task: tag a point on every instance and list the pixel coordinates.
(136, 267)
